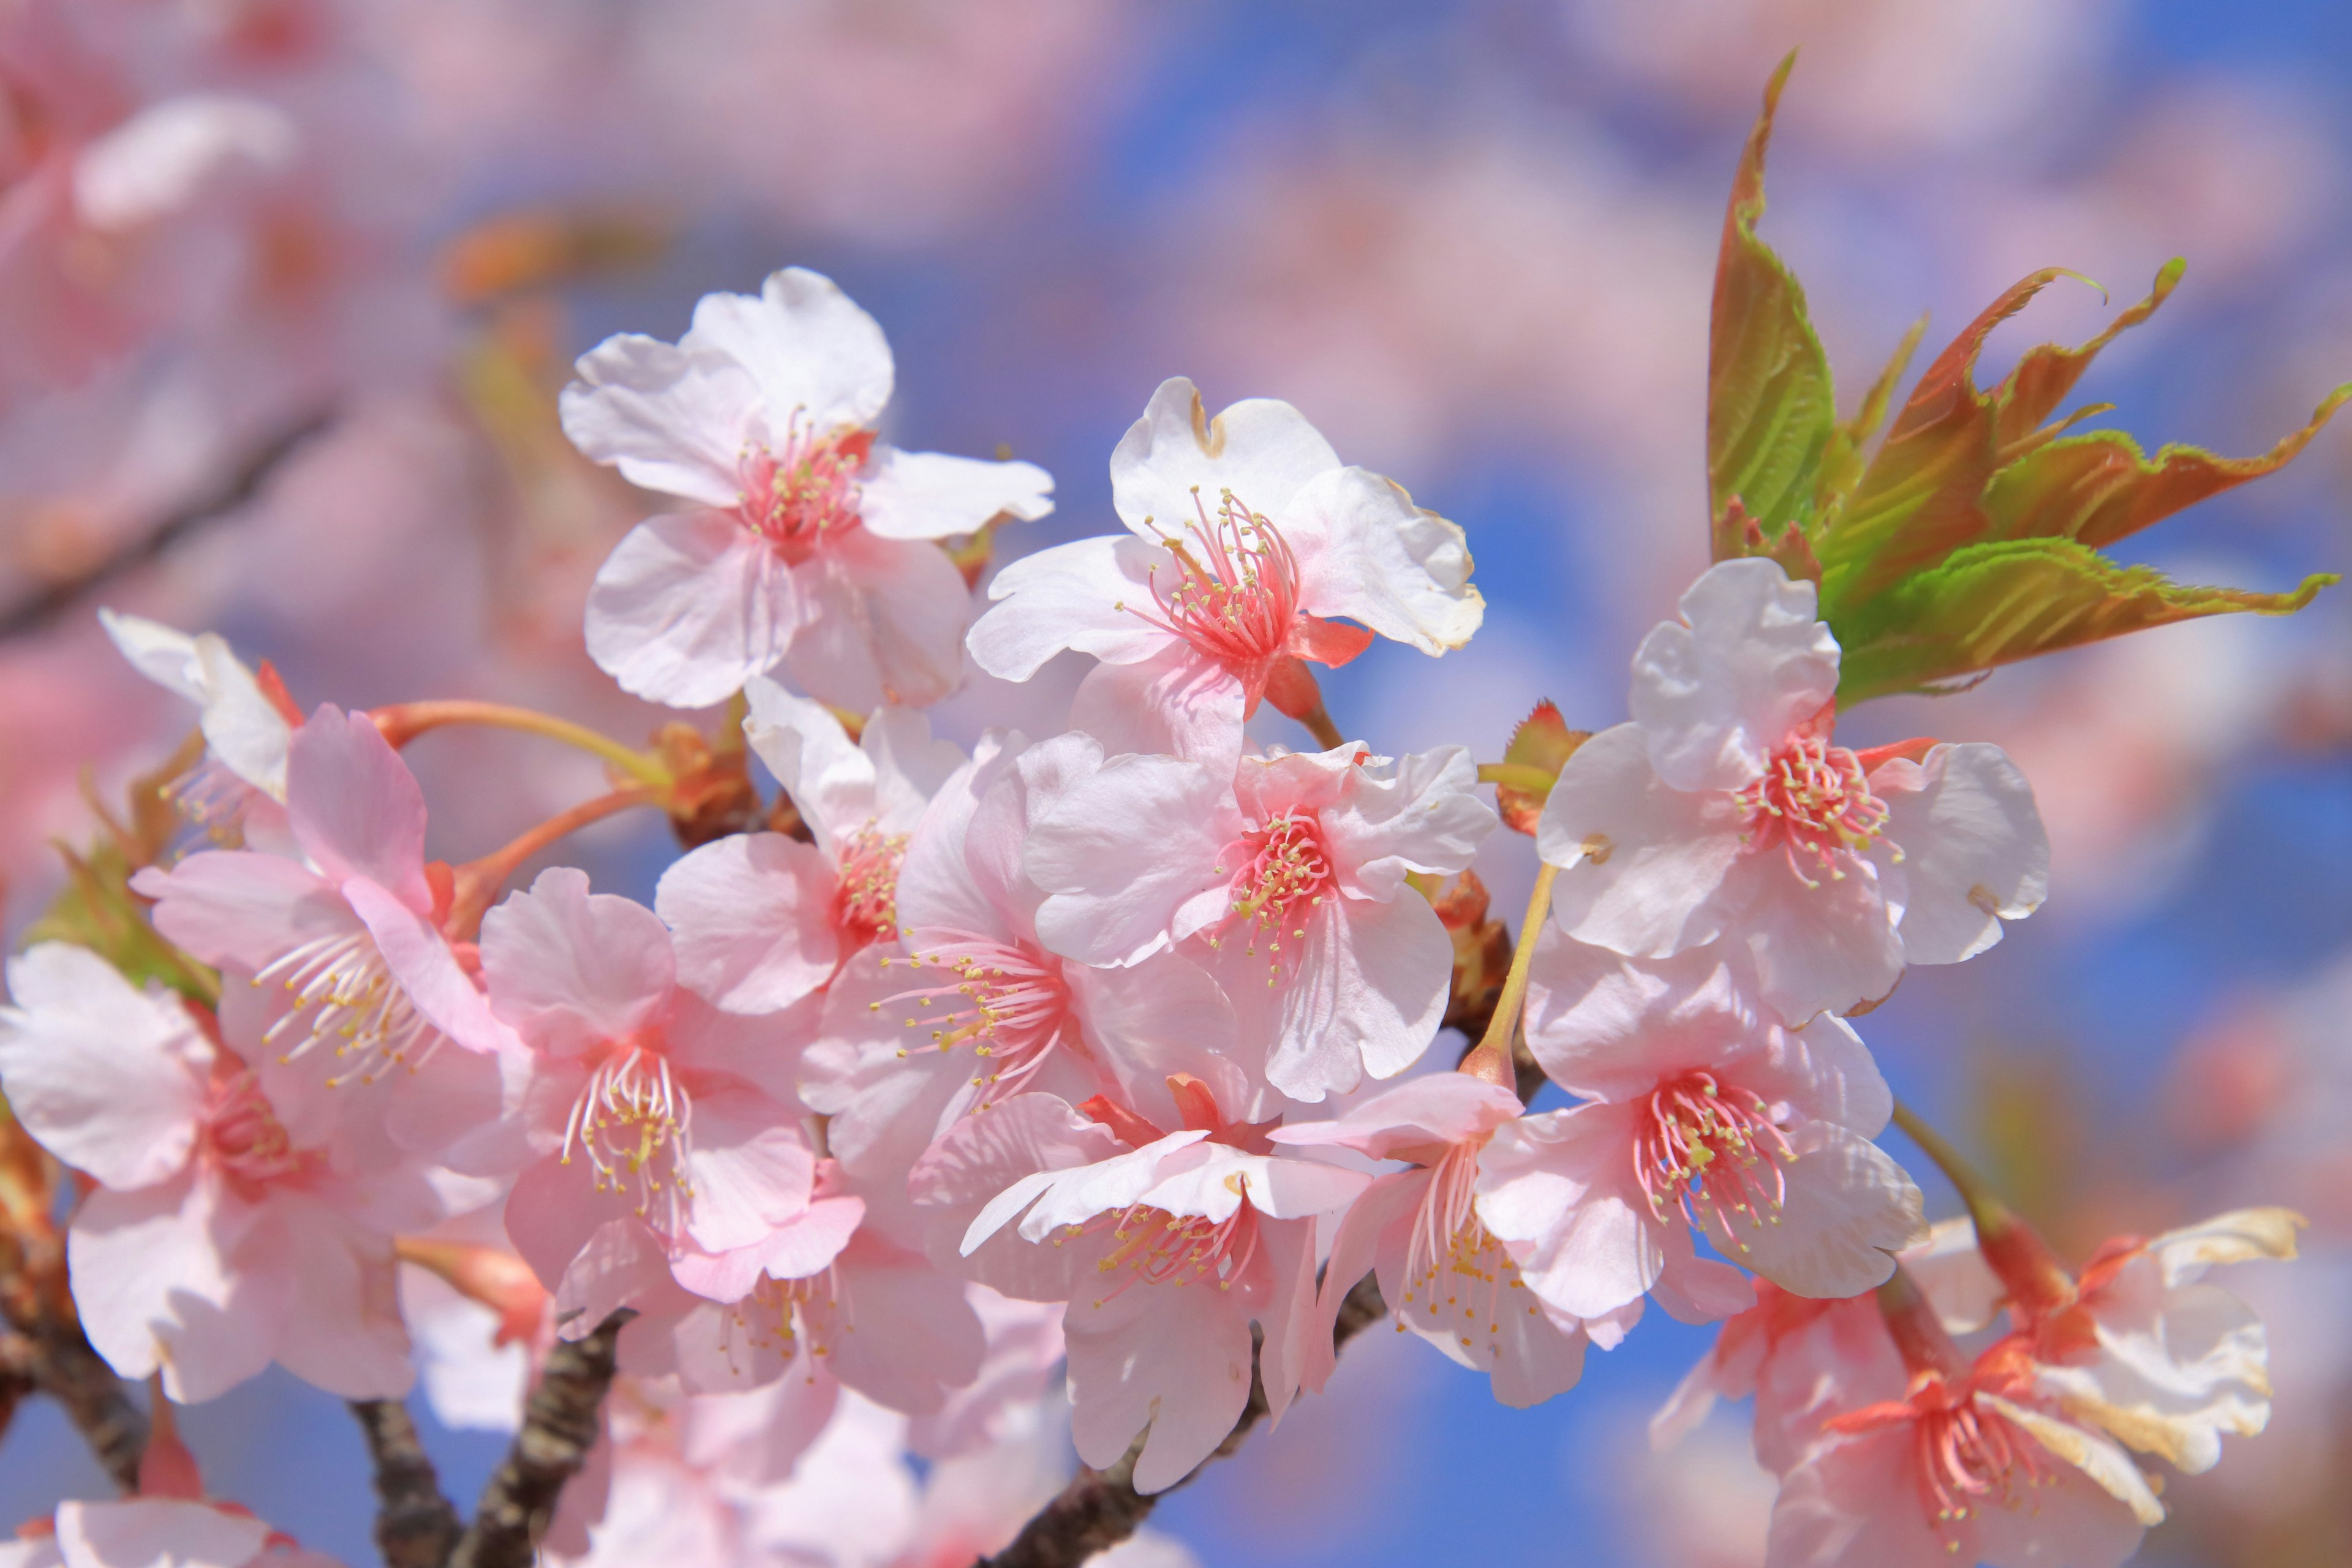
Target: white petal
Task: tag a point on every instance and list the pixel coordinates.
(1642, 862)
(166, 657)
(1089, 595)
(1849, 1209)
(1718, 693)
(1122, 851)
(819, 361)
(1422, 815)
(1176, 703)
(1974, 852)
(689, 607)
(1367, 997)
(930, 495)
(1367, 552)
(157, 1532)
(886, 623)
(1263, 450)
(671, 420)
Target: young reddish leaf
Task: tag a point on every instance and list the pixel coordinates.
(1842, 463)
(1539, 747)
(1996, 603)
(1768, 410)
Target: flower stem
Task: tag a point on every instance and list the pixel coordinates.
(1517, 776)
(1491, 1059)
(478, 881)
(404, 721)
(2037, 1282)
(1318, 723)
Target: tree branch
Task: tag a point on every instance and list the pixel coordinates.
(96, 1401)
(416, 1526)
(29, 615)
(559, 1425)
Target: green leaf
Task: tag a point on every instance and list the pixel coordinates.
(1997, 602)
(1770, 414)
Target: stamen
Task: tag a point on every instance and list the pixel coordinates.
(632, 1120)
(1160, 1248)
(1007, 1002)
(1284, 878)
(1814, 804)
(785, 1313)
(242, 1132)
(795, 498)
(1701, 1147)
(865, 906)
(1456, 1271)
(1235, 597)
(344, 996)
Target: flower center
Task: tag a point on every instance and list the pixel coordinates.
(1285, 877)
(1007, 1002)
(1236, 596)
(794, 498)
(213, 798)
(1702, 1146)
(632, 1121)
(1160, 1248)
(245, 1137)
(345, 997)
(1967, 1456)
(1814, 801)
(865, 904)
(1456, 1271)
(782, 1313)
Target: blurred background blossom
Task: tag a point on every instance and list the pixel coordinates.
(288, 288)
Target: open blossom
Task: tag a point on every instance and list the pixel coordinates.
(762, 919)
(248, 720)
(1703, 1113)
(970, 1008)
(664, 1137)
(1165, 1244)
(1245, 538)
(1442, 1272)
(1724, 811)
(221, 1235)
(1285, 877)
(144, 1531)
(1922, 1457)
(811, 543)
(347, 940)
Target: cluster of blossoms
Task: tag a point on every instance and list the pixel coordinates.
(1106, 1051)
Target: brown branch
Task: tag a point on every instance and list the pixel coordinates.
(96, 1401)
(29, 615)
(416, 1526)
(559, 1425)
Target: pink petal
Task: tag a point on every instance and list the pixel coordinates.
(916, 1336)
(1717, 694)
(1367, 552)
(1176, 703)
(1438, 1107)
(1090, 594)
(886, 620)
(1642, 862)
(1849, 1209)
(929, 495)
(689, 607)
(752, 1172)
(343, 1331)
(155, 1281)
(1179, 1360)
(1559, 1190)
(356, 808)
(751, 917)
(242, 908)
(1368, 991)
(569, 969)
(423, 966)
(1123, 850)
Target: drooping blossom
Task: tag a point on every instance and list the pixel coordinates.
(809, 543)
(1922, 1457)
(1245, 538)
(664, 1138)
(1724, 811)
(1165, 1245)
(762, 919)
(1442, 1272)
(248, 720)
(1703, 1113)
(220, 1235)
(347, 940)
(970, 1008)
(1286, 879)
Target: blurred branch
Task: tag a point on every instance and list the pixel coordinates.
(559, 1425)
(237, 488)
(416, 1525)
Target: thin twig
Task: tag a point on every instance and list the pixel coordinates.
(559, 1425)
(416, 1526)
(31, 614)
(96, 1401)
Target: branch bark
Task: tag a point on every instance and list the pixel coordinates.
(96, 1401)
(559, 1425)
(416, 1525)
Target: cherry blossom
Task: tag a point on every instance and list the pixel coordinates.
(1443, 1273)
(1245, 539)
(1284, 878)
(142, 1532)
(809, 543)
(1116, 1216)
(218, 1237)
(348, 940)
(762, 919)
(1704, 1114)
(1724, 812)
(664, 1138)
(248, 720)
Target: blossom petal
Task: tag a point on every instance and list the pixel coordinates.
(109, 1078)
(672, 420)
(243, 908)
(815, 356)
(1367, 552)
(1848, 1208)
(1123, 850)
(1819, 947)
(1090, 594)
(1973, 849)
(1179, 1360)
(1718, 693)
(1178, 702)
(1559, 1189)
(157, 1532)
(1367, 998)
(690, 605)
(753, 1173)
(1435, 1109)
(1261, 450)
(569, 969)
(1421, 814)
(157, 1288)
(930, 495)
(344, 1333)
(1641, 862)
(885, 623)
(916, 1336)
(751, 917)
(356, 808)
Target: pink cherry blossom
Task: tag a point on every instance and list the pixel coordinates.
(971, 1008)
(811, 543)
(1245, 538)
(1723, 812)
(347, 940)
(1286, 879)
(1702, 1114)
(144, 1531)
(663, 1131)
(247, 732)
(1443, 1273)
(219, 1237)
(762, 919)
(1119, 1229)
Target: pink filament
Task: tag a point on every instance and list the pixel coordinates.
(796, 498)
(1235, 597)
(1814, 804)
(1008, 1003)
(244, 1136)
(1700, 1145)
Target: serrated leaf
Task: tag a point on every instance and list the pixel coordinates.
(1997, 602)
(1769, 414)
(1540, 748)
